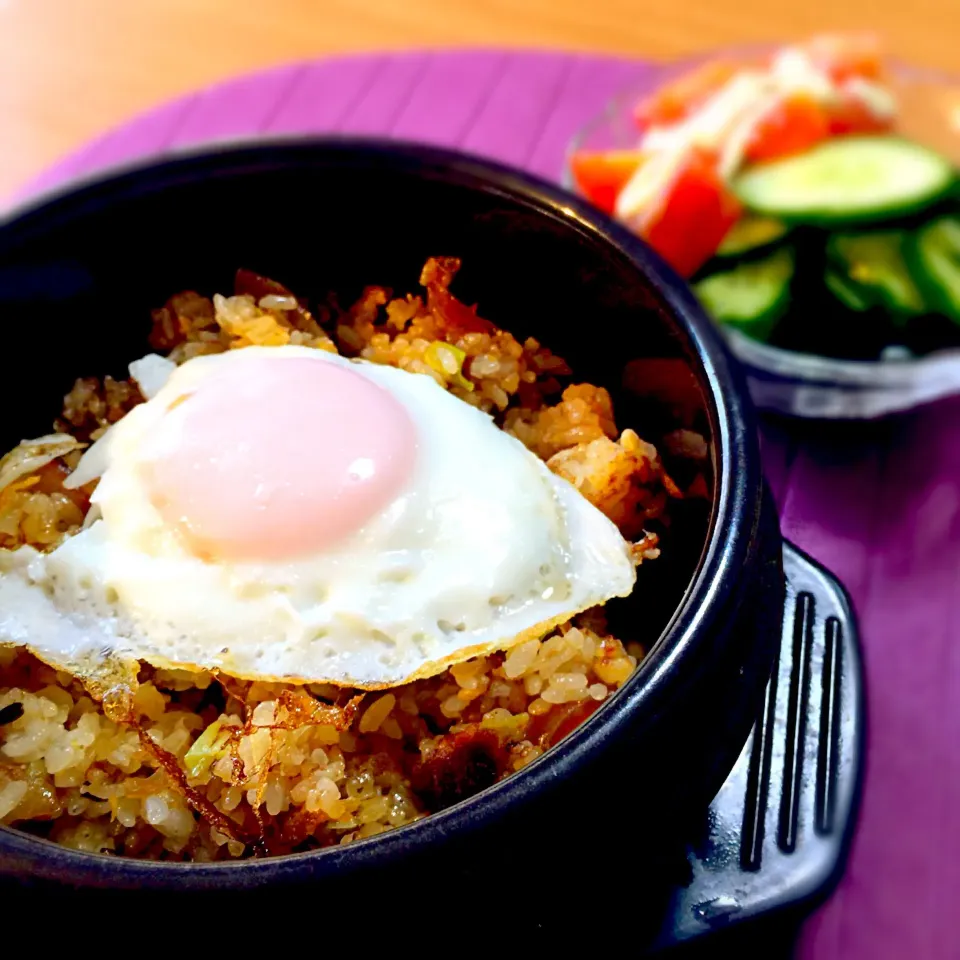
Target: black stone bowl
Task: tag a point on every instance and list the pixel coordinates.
(81, 269)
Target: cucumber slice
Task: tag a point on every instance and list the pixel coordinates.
(752, 296)
(936, 259)
(845, 291)
(848, 180)
(873, 266)
(750, 234)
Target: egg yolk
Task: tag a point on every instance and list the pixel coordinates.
(275, 458)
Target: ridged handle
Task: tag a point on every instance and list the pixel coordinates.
(779, 828)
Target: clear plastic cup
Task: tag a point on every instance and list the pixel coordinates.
(802, 384)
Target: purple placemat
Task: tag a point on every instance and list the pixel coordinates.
(879, 505)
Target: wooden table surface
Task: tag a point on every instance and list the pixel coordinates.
(70, 69)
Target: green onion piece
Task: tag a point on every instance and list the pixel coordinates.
(207, 748)
(448, 361)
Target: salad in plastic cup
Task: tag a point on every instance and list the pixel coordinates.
(809, 193)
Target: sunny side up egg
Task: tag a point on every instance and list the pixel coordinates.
(285, 513)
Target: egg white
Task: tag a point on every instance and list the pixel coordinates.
(483, 548)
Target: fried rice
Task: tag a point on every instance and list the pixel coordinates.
(202, 767)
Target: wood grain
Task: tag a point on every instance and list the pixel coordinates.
(69, 69)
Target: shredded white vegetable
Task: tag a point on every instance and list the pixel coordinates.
(151, 373)
(92, 464)
(31, 455)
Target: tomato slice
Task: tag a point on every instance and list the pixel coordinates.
(601, 175)
(696, 211)
(794, 125)
(845, 55)
(852, 115)
(679, 98)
